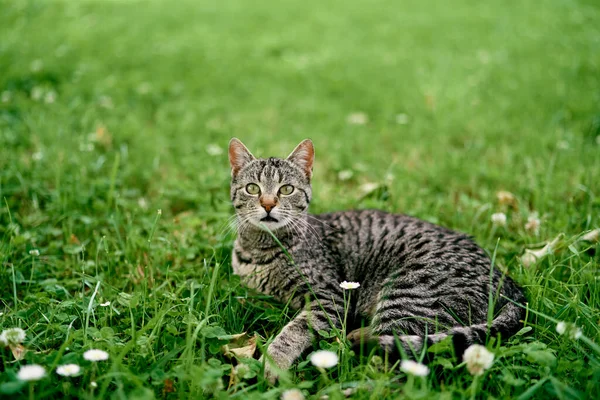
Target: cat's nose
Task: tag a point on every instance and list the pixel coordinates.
(268, 202)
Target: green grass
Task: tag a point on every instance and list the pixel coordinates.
(500, 95)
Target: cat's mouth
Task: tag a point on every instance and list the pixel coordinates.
(268, 218)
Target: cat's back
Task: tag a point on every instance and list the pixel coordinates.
(368, 239)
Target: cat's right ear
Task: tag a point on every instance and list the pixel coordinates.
(239, 156)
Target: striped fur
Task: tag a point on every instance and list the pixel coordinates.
(419, 281)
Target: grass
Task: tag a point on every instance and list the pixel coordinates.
(112, 110)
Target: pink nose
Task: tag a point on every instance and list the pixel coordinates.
(268, 202)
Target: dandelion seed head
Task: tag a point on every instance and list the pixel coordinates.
(561, 327)
(478, 359)
(349, 285)
(93, 384)
(95, 355)
(324, 359)
(414, 368)
(31, 372)
(68, 369)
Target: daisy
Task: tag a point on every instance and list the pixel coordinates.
(292, 394)
(324, 359)
(68, 369)
(349, 285)
(414, 368)
(357, 118)
(95, 355)
(31, 372)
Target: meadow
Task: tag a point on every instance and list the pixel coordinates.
(114, 182)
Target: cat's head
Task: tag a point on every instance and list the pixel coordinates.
(271, 191)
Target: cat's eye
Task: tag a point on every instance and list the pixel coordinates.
(286, 189)
(252, 188)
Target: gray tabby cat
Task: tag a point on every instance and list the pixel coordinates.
(419, 282)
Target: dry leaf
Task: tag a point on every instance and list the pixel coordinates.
(18, 351)
(240, 346)
(506, 198)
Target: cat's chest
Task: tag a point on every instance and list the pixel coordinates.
(260, 270)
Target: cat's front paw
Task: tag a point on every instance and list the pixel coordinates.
(271, 375)
(275, 363)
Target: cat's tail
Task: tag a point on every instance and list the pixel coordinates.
(508, 322)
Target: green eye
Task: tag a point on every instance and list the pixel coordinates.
(286, 189)
(252, 188)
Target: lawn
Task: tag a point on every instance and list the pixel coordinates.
(114, 181)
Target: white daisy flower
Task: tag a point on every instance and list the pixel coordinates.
(478, 359)
(345, 175)
(12, 336)
(499, 219)
(37, 93)
(402, 119)
(349, 285)
(357, 118)
(95, 355)
(6, 96)
(36, 65)
(68, 369)
(571, 329)
(324, 359)
(414, 368)
(34, 252)
(292, 394)
(214, 149)
(50, 97)
(31, 372)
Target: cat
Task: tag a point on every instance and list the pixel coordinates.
(419, 282)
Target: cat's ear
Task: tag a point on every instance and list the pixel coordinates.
(303, 156)
(239, 156)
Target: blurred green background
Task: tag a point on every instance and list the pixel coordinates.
(110, 110)
(462, 98)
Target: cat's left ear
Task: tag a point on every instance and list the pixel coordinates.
(303, 156)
